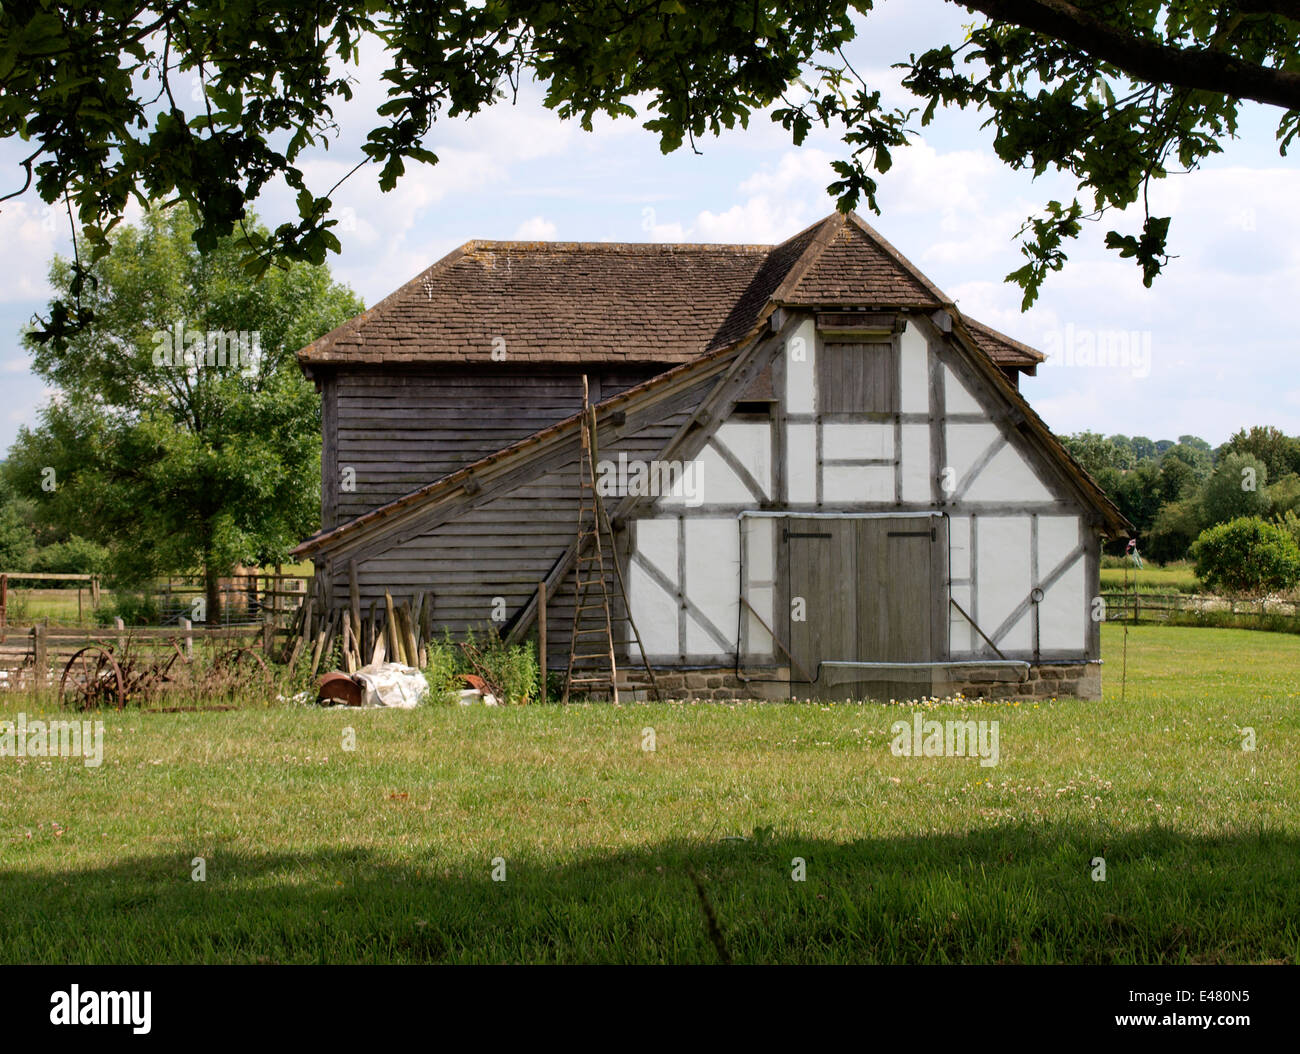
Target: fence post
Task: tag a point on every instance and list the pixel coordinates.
(541, 638)
(187, 627)
(40, 652)
(120, 626)
(268, 632)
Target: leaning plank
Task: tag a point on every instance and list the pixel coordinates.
(354, 591)
(391, 640)
(319, 649)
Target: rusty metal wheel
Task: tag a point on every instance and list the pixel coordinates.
(92, 678)
(238, 669)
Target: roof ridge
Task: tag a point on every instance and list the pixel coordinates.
(911, 268)
(541, 245)
(810, 255)
(323, 342)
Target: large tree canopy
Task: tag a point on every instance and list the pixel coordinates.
(1111, 93)
(183, 434)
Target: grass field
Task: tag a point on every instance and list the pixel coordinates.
(314, 853)
(1179, 578)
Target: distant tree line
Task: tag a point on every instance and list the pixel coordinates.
(1173, 491)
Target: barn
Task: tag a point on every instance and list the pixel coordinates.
(820, 476)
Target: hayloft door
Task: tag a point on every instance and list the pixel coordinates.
(863, 589)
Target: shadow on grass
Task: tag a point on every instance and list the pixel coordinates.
(1013, 893)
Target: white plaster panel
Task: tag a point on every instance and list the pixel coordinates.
(1064, 611)
(857, 442)
(707, 480)
(959, 546)
(959, 630)
(957, 398)
(750, 443)
(866, 483)
(801, 369)
(1002, 569)
(1057, 536)
(712, 581)
(1008, 477)
(965, 443)
(760, 579)
(916, 463)
(801, 464)
(914, 371)
(758, 641)
(656, 540)
(760, 550)
(654, 609)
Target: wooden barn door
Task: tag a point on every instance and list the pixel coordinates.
(871, 590)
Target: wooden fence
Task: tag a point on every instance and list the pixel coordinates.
(35, 657)
(246, 599)
(1158, 607)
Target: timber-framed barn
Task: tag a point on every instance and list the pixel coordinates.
(858, 501)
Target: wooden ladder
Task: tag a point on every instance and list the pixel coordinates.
(593, 665)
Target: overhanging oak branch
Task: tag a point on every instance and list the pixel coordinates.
(1145, 59)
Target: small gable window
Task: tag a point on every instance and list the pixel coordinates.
(857, 377)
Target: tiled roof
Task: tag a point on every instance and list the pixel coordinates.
(607, 302)
(1004, 350)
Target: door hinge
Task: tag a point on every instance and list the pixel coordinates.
(787, 534)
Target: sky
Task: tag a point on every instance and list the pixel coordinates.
(1209, 349)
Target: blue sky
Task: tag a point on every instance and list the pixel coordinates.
(1217, 325)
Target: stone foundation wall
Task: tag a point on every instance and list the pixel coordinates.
(1081, 680)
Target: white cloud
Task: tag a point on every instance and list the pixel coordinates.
(797, 173)
(31, 231)
(536, 229)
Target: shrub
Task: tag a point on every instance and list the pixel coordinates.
(443, 669)
(76, 556)
(134, 609)
(1247, 556)
(1289, 521)
(511, 668)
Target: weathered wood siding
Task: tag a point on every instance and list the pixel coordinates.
(500, 545)
(397, 430)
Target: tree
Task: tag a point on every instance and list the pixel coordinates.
(183, 434)
(16, 540)
(1235, 488)
(1176, 526)
(1097, 454)
(207, 104)
(1247, 556)
(1194, 453)
(1279, 451)
(1284, 495)
(1143, 448)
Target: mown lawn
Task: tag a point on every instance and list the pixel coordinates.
(385, 853)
